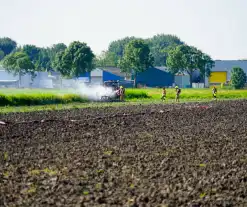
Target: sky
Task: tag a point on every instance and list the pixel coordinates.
(217, 27)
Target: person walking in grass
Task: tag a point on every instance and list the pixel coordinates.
(178, 92)
(163, 97)
(214, 92)
(122, 93)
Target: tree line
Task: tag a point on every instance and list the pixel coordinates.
(131, 54)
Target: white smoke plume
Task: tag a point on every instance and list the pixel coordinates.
(93, 92)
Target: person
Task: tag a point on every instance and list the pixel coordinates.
(163, 97)
(214, 92)
(122, 93)
(178, 92)
(118, 93)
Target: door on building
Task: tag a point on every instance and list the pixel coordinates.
(218, 77)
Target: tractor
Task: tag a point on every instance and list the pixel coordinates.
(114, 85)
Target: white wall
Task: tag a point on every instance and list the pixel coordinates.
(96, 76)
(40, 81)
(97, 72)
(182, 80)
(4, 75)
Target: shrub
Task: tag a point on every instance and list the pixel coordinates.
(238, 78)
(136, 94)
(39, 99)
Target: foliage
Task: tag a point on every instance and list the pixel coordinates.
(7, 45)
(77, 59)
(44, 62)
(151, 96)
(184, 58)
(39, 99)
(136, 94)
(238, 78)
(18, 63)
(32, 51)
(57, 64)
(106, 59)
(159, 45)
(205, 65)
(1, 54)
(117, 47)
(137, 58)
(54, 50)
(43, 58)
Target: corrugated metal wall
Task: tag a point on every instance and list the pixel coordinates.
(183, 81)
(154, 77)
(109, 76)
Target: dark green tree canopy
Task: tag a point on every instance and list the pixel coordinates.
(7, 45)
(184, 58)
(19, 63)
(159, 45)
(137, 58)
(54, 49)
(117, 47)
(1, 55)
(106, 59)
(32, 51)
(75, 60)
(58, 47)
(238, 78)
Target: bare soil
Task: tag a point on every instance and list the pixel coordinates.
(147, 155)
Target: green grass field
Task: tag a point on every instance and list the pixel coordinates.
(14, 100)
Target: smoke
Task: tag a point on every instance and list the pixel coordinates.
(93, 92)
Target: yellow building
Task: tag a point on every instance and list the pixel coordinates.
(221, 72)
(218, 77)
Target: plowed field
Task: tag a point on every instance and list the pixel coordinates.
(147, 155)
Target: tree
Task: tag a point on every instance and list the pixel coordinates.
(184, 58)
(1, 55)
(32, 51)
(159, 45)
(117, 47)
(44, 62)
(75, 60)
(19, 63)
(238, 78)
(7, 45)
(58, 65)
(107, 58)
(205, 65)
(54, 49)
(137, 58)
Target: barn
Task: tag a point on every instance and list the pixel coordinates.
(152, 77)
(155, 77)
(99, 75)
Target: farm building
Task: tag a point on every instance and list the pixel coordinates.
(182, 80)
(152, 77)
(155, 77)
(41, 80)
(221, 72)
(99, 75)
